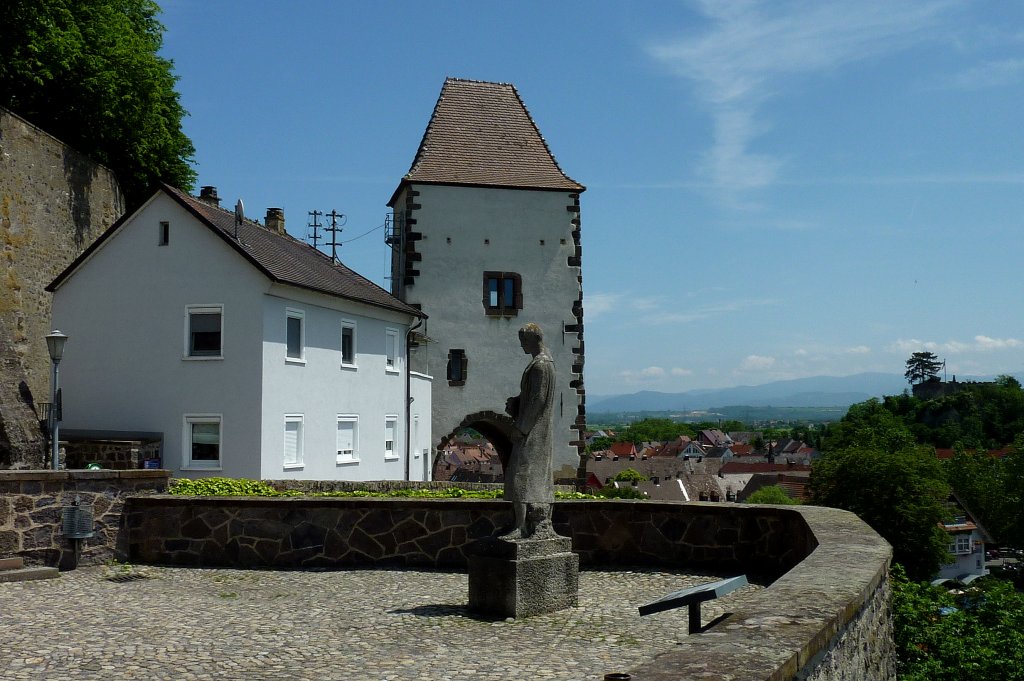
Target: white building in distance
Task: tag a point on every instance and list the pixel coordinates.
(249, 352)
(486, 238)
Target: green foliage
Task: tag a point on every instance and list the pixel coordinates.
(869, 424)
(922, 366)
(224, 487)
(240, 487)
(655, 430)
(629, 475)
(977, 635)
(900, 493)
(772, 494)
(613, 492)
(992, 489)
(89, 73)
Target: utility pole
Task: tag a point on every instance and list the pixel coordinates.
(337, 221)
(315, 226)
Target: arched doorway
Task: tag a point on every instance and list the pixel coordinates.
(496, 428)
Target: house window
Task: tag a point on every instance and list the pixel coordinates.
(203, 331)
(165, 234)
(348, 438)
(390, 428)
(294, 335)
(416, 436)
(457, 366)
(348, 343)
(293, 441)
(503, 293)
(202, 441)
(963, 544)
(391, 350)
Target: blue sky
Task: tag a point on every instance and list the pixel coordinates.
(774, 189)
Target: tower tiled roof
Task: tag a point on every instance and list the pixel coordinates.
(482, 134)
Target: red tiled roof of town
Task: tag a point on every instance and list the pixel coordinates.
(481, 134)
(623, 449)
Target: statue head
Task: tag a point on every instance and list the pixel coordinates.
(531, 338)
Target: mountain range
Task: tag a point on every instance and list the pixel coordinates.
(815, 391)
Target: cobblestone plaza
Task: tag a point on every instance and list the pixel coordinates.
(176, 623)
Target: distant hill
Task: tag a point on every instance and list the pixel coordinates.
(816, 391)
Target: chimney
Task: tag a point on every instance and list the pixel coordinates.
(208, 194)
(275, 220)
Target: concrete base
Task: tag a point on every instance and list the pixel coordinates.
(523, 577)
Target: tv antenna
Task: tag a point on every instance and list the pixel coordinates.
(239, 216)
(315, 226)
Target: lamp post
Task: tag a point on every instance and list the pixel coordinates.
(55, 345)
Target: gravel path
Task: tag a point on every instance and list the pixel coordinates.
(395, 625)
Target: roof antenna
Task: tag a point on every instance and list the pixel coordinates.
(239, 216)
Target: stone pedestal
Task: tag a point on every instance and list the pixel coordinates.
(523, 577)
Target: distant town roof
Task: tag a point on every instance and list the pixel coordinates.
(481, 134)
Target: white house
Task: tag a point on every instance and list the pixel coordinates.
(966, 545)
(252, 353)
(486, 237)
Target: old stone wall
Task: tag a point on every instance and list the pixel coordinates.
(117, 456)
(297, 532)
(31, 509)
(53, 203)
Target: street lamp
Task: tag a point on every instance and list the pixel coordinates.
(55, 345)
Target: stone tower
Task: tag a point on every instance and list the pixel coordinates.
(485, 238)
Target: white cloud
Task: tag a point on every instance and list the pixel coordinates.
(990, 74)
(977, 344)
(757, 363)
(596, 304)
(858, 350)
(678, 371)
(752, 47)
(647, 375)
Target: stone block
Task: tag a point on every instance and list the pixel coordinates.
(522, 578)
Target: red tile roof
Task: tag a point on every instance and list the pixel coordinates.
(481, 134)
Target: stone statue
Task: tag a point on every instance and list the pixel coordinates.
(528, 477)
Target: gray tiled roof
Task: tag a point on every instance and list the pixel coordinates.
(482, 134)
(280, 257)
(287, 260)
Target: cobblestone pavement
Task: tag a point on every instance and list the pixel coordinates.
(408, 625)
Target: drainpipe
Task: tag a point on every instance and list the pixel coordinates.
(408, 399)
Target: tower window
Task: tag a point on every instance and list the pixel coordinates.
(457, 365)
(503, 293)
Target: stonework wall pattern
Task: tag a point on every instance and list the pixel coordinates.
(31, 511)
(53, 203)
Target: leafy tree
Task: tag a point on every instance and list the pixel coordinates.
(869, 424)
(629, 475)
(89, 73)
(772, 494)
(900, 493)
(939, 636)
(655, 430)
(922, 366)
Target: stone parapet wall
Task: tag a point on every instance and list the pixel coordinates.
(297, 532)
(31, 508)
(824, 617)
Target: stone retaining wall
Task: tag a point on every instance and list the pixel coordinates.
(31, 508)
